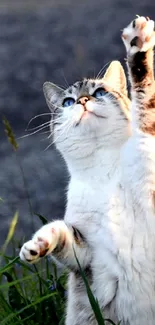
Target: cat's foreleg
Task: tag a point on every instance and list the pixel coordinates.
(139, 40)
(61, 241)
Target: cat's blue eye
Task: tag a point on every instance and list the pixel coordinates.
(100, 92)
(68, 102)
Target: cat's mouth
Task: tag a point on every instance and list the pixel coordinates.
(86, 113)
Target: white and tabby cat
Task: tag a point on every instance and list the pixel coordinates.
(110, 214)
(89, 128)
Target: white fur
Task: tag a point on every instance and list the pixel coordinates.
(110, 202)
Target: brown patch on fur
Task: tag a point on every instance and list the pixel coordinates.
(58, 249)
(78, 237)
(150, 129)
(151, 103)
(136, 41)
(43, 252)
(141, 68)
(41, 240)
(142, 77)
(147, 39)
(153, 199)
(147, 115)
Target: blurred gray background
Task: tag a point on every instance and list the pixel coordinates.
(61, 41)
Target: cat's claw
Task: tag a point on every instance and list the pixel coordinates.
(139, 35)
(43, 242)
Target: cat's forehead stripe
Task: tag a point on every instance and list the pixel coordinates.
(70, 90)
(82, 86)
(85, 84)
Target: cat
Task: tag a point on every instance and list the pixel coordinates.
(83, 135)
(110, 213)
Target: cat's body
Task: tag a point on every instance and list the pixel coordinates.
(111, 197)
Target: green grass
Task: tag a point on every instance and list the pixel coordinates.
(34, 294)
(31, 294)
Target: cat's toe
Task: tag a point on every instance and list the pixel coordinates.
(30, 252)
(139, 35)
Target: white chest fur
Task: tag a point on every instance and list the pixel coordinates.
(118, 229)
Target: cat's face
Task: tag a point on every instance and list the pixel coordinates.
(90, 113)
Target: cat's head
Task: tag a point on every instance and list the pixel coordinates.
(90, 113)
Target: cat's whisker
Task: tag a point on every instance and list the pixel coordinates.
(33, 118)
(39, 115)
(45, 132)
(32, 133)
(66, 82)
(62, 127)
(57, 119)
(63, 131)
(51, 134)
(102, 70)
(38, 127)
(46, 123)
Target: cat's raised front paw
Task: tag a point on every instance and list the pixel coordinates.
(139, 35)
(43, 243)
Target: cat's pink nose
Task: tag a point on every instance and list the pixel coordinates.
(83, 100)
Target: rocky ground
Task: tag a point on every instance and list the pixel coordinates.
(61, 41)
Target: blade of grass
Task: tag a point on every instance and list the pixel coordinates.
(14, 144)
(9, 265)
(11, 232)
(38, 301)
(94, 303)
(42, 218)
(7, 285)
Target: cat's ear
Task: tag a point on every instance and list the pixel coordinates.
(116, 82)
(52, 94)
(115, 77)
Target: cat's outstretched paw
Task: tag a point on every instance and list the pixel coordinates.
(139, 35)
(43, 243)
